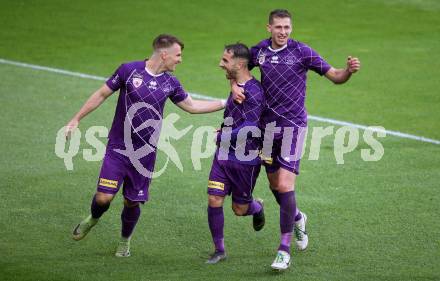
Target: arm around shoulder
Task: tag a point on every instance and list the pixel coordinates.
(200, 106)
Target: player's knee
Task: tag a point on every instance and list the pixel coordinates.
(284, 186)
(130, 204)
(215, 201)
(103, 199)
(239, 210)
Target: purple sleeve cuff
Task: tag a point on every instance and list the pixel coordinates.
(110, 84)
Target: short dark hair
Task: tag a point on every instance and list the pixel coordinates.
(279, 13)
(239, 50)
(166, 41)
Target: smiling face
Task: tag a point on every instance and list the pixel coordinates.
(171, 57)
(229, 64)
(280, 28)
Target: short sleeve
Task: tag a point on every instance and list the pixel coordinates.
(178, 94)
(115, 81)
(254, 57)
(312, 60)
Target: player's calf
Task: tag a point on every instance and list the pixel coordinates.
(259, 220)
(100, 204)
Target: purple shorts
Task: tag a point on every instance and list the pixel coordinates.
(230, 177)
(117, 169)
(288, 158)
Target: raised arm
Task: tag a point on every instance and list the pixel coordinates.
(94, 101)
(200, 106)
(342, 75)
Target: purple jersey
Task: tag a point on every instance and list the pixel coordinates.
(148, 92)
(245, 114)
(283, 76)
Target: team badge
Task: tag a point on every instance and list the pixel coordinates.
(137, 80)
(261, 58)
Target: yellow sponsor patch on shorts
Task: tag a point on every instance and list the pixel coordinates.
(267, 160)
(108, 183)
(216, 185)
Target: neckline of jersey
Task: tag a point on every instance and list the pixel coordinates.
(151, 74)
(277, 50)
(242, 84)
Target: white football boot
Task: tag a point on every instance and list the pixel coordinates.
(282, 261)
(301, 237)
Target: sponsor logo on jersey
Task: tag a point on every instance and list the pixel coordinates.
(274, 59)
(290, 60)
(167, 87)
(115, 79)
(152, 85)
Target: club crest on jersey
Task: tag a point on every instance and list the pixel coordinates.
(261, 58)
(137, 80)
(152, 85)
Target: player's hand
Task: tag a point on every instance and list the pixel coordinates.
(237, 93)
(353, 64)
(70, 128)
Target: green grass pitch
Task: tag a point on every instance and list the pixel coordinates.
(367, 220)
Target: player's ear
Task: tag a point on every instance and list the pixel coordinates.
(243, 64)
(268, 27)
(163, 54)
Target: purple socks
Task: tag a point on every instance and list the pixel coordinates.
(287, 218)
(98, 210)
(254, 208)
(276, 194)
(285, 240)
(129, 219)
(216, 221)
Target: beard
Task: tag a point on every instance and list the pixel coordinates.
(230, 75)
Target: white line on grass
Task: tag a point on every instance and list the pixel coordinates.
(312, 117)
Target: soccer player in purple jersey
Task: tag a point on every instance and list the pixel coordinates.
(236, 163)
(144, 86)
(284, 64)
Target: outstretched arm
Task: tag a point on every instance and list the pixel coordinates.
(201, 106)
(342, 75)
(95, 100)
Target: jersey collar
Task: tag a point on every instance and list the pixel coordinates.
(277, 50)
(149, 72)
